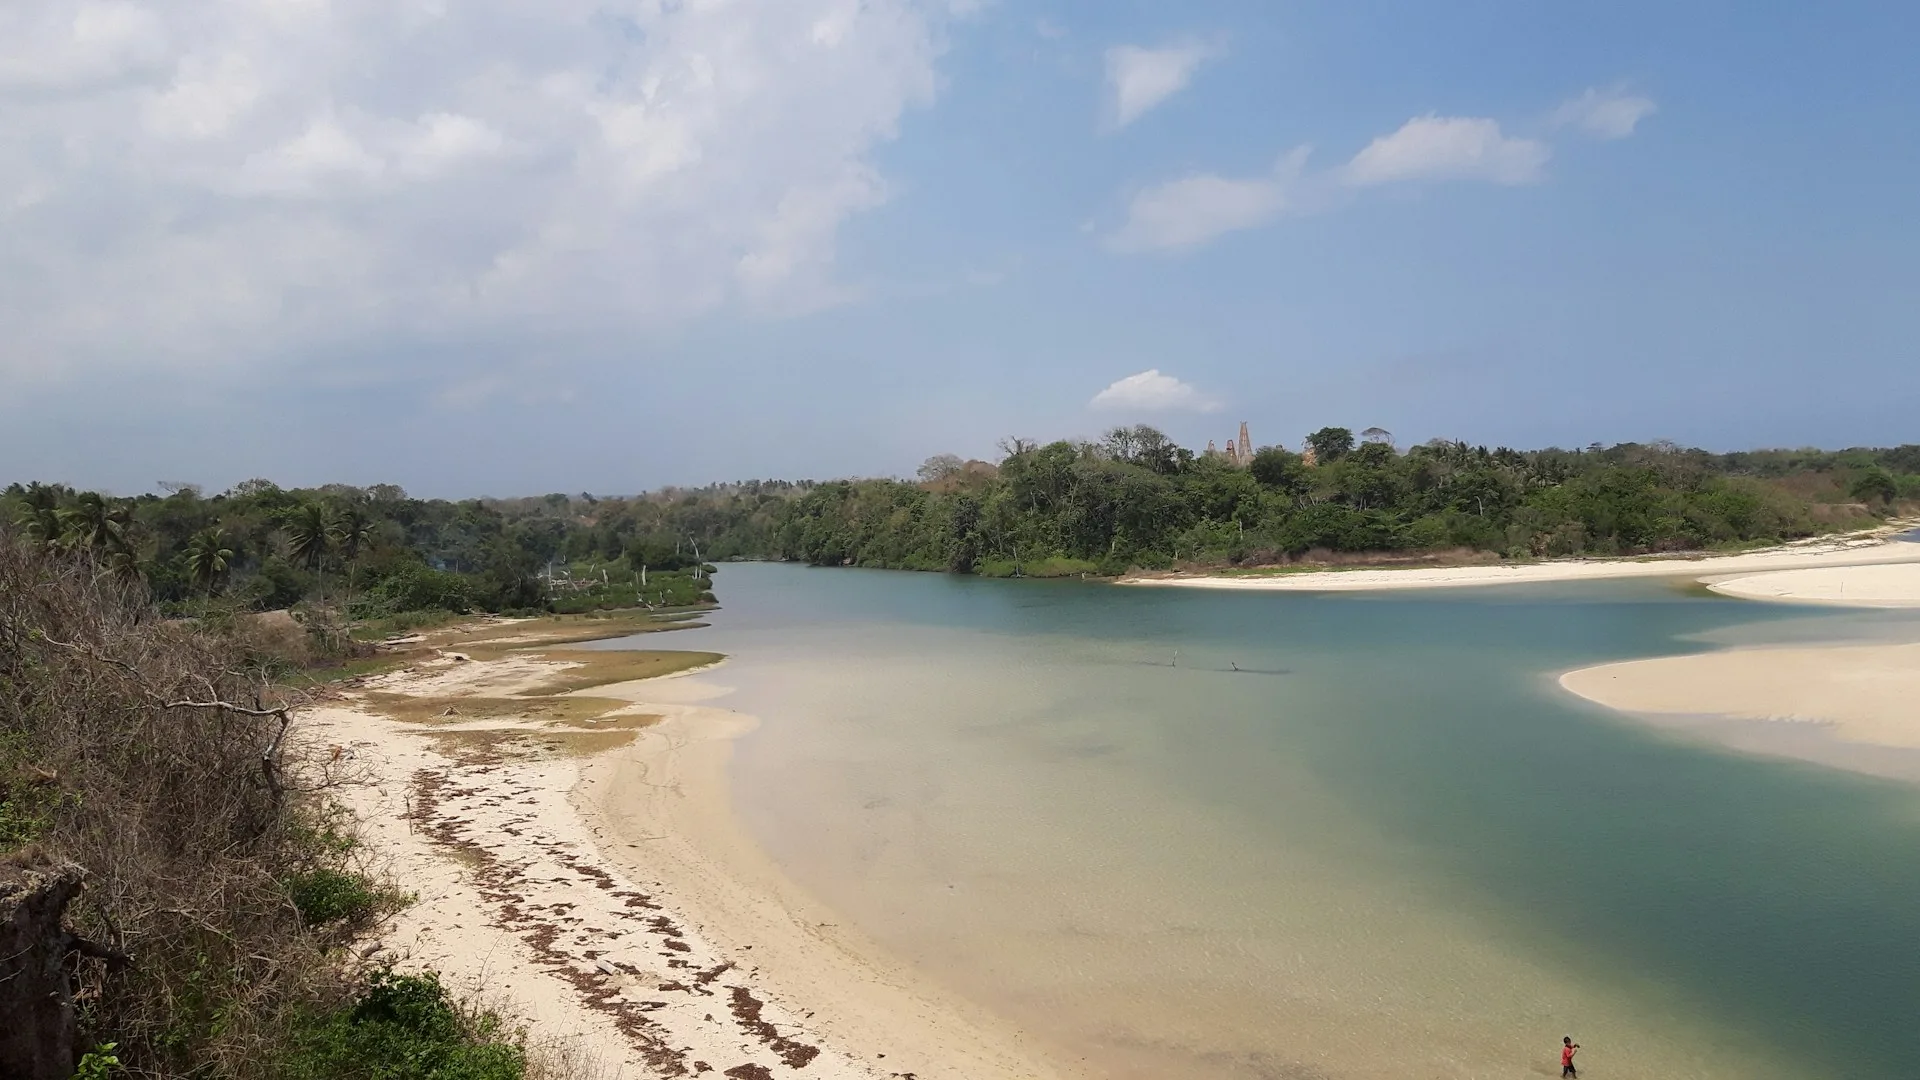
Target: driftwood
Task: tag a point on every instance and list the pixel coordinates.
(37, 1042)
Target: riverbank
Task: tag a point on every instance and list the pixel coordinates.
(569, 838)
(1874, 548)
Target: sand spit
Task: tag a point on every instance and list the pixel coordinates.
(1861, 693)
(627, 923)
(1894, 585)
(1854, 707)
(1862, 551)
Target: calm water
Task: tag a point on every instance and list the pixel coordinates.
(1388, 845)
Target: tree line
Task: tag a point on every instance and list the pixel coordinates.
(1134, 499)
(377, 551)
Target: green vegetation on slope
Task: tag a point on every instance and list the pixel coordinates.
(1137, 500)
(177, 898)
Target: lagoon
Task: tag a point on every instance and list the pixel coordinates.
(1386, 845)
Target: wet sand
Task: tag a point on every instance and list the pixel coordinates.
(586, 879)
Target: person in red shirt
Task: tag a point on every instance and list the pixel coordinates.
(1567, 1048)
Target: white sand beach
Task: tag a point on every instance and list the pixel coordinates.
(1892, 585)
(587, 880)
(1853, 552)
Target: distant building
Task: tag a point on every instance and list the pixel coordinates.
(1239, 451)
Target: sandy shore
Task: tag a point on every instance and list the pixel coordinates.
(1892, 585)
(1879, 549)
(586, 877)
(1849, 706)
(1831, 704)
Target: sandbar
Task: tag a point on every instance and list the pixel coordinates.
(1854, 707)
(1887, 585)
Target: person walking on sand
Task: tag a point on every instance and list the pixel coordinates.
(1567, 1049)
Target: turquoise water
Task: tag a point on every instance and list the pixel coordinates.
(1387, 845)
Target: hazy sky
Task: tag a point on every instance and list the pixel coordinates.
(515, 246)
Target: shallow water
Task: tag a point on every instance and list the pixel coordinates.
(1386, 845)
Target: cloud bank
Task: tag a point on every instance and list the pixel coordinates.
(189, 183)
(1152, 392)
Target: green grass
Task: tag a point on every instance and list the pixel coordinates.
(405, 622)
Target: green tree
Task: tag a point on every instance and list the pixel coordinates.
(208, 558)
(39, 514)
(309, 535)
(1330, 444)
(1280, 469)
(96, 524)
(351, 532)
(1875, 484)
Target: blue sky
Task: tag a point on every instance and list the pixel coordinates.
(507, 247)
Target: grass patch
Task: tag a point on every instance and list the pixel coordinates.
(476, 746)
(348, 670)
(588, 743)
(1279, 571)
(569, 629)
(406, 622)
(604, 668)
(454, 709)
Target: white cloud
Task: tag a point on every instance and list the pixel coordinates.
(1611, 114)
(1448, 148)
(1192, 210)
(445, 140)
(1143, 78)
(47, 48)
(1151, 392)
(192, 182)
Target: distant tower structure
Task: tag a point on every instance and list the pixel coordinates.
(1212, 450)
(1246, 445)
(1307, 456)
(1233, 453)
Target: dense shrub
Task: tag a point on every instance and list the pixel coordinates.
(403, 1027)
(148, 758)
(414, 587)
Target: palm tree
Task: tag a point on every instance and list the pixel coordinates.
(309, 535)
(94, 523)
(39, 515)
(120, 562)
(352, 533)
(207, 558)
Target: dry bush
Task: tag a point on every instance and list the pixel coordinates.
(152, 755)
